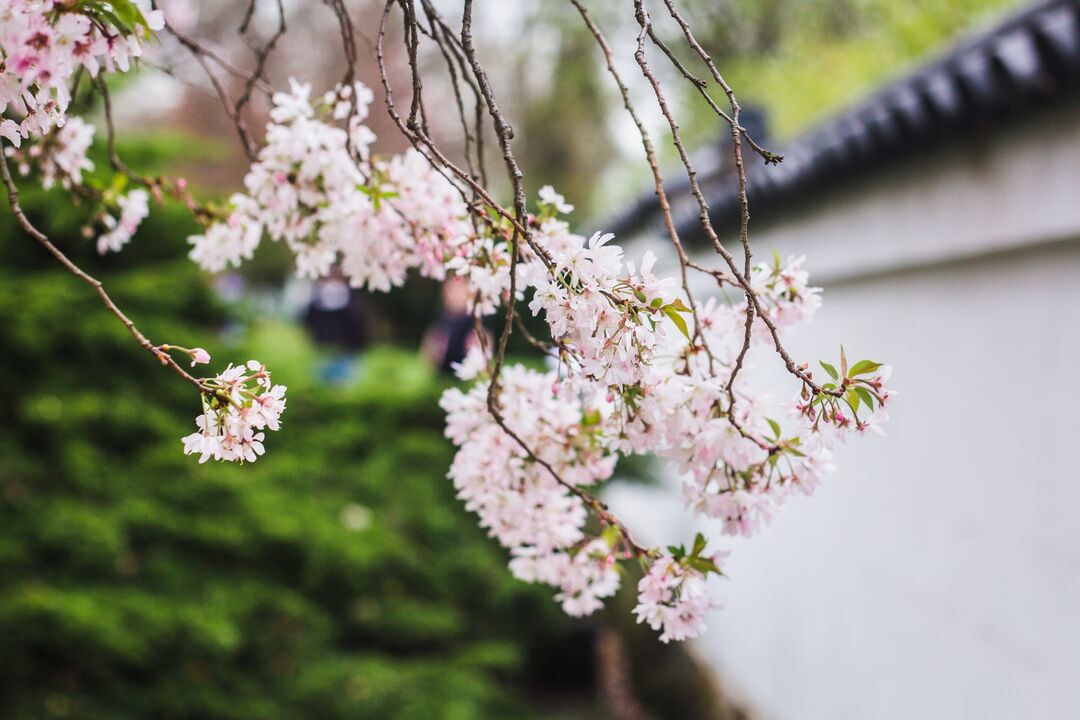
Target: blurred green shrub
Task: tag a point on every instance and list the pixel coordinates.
(337, 577)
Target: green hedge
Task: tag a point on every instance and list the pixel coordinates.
(337, 577)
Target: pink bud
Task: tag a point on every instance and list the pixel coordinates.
(199, 357)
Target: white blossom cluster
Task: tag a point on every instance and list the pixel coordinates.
(238, 405)
(673, 598)
(643, 373)
(61, 156)
(314, 187)
(134, 207)
(514, 491)
(43, 43)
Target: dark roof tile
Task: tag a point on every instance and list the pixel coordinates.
(1028, 59)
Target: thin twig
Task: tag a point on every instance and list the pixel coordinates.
(99, 288)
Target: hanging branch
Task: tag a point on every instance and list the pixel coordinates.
(159, 352)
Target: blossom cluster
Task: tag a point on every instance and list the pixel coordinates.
(315, 187)
(61, 156)
(238, 405)
(608, 316)
(520, 486)
(133, 207)
(44, 42)
(633, 379)
(673, 598)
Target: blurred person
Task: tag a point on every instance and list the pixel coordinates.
(337, 320)
(453, 335)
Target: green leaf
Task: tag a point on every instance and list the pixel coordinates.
(775, 427)
(830, 369)
(853, 399)
(678, 305)
(866, 396)
(610, 536)
(703, 565)
(677, 319)
(699, 544)
(863, 367)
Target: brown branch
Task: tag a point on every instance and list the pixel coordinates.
(742, 277)
(99, 288)
(157, 185)
(520, 228)
(262, 53)
(654, 167)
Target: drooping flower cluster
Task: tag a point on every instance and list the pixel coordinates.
(61, 156)
(673, 598)
(238, 405)
(640, 370)
(43, 43)
(523, 496)
(314, 188)
(134, 207)
(635, 380)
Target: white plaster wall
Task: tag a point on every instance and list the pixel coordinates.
(937, 574)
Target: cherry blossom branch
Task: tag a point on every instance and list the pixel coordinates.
(654, 167)
(530, 443)
(520, 227)
(743, 276)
